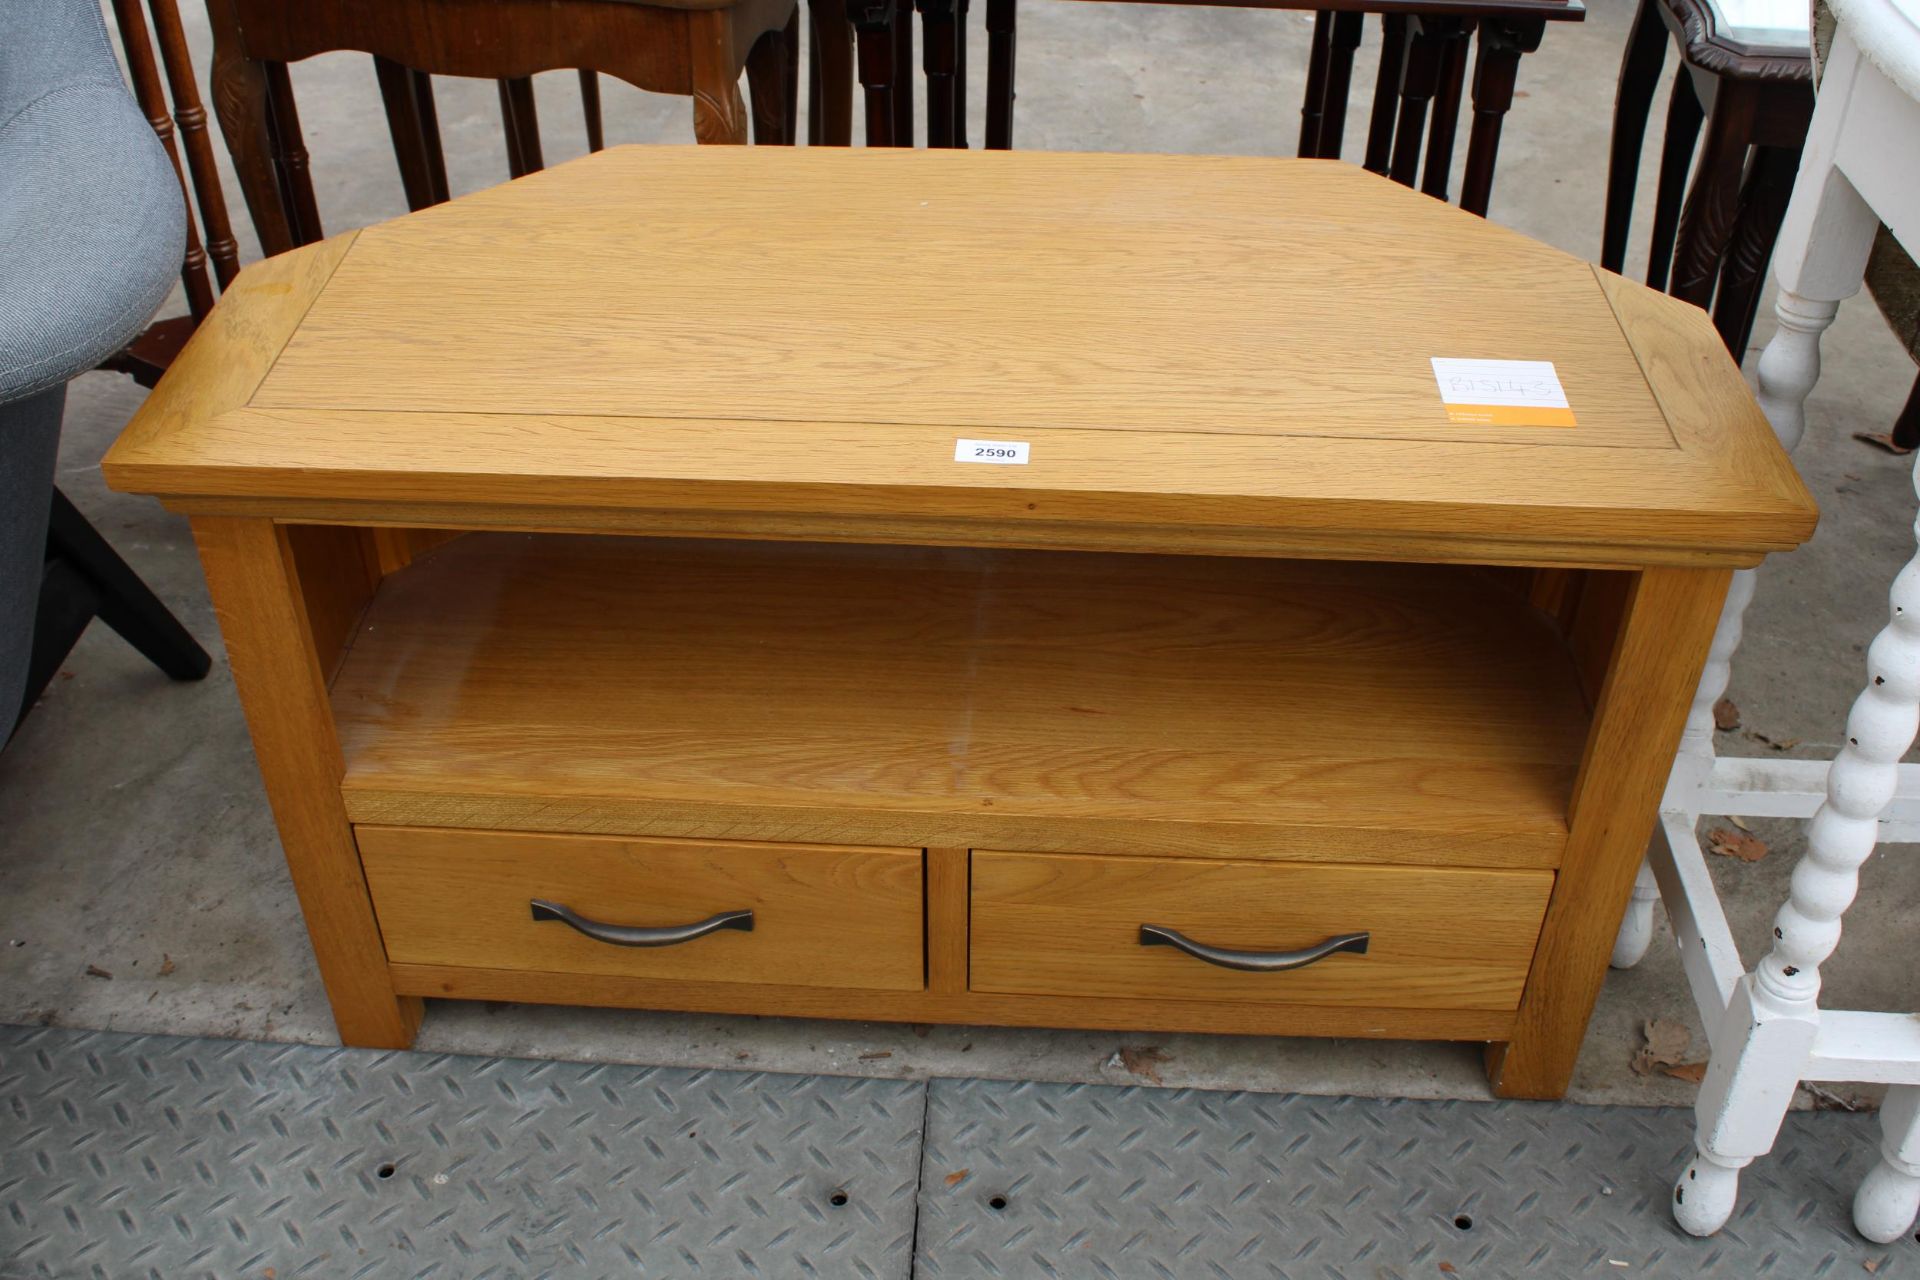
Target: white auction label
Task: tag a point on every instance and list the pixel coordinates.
(1502, 393)
(1004, 452)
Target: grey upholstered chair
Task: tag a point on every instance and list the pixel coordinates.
(92, 230)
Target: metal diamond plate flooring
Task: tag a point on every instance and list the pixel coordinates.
(1071, 1180)
(148, 1156)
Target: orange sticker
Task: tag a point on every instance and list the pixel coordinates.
(1509, 415)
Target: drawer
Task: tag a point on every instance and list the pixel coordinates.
(1069, 925)
(822, 915)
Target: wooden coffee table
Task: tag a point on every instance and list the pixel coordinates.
(647, 589)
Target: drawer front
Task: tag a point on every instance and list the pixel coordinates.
(823, 915)
(1069, 925)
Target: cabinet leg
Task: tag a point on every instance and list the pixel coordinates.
(1657, 656)
(256, 590)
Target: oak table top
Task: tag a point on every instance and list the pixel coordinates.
(1199, 353)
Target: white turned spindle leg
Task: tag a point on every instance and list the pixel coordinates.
(1636, 927)
(1790, 364)
(1771, 1023)
(1889, 1199)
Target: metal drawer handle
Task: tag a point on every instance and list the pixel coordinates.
(621, 935)
(1152, 935)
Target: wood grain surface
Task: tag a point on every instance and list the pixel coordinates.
(1665, 625)
(1183, 294)
(1070, 926)
(257, 593)
(824, 916)
(915, 696)
(1186, 343)
(981, 1008)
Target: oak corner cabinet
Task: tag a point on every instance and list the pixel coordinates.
(1083, 605)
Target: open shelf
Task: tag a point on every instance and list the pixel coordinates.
(955, 697)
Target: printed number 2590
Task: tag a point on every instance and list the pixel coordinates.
(1002, 452)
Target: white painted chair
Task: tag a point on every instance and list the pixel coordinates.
(1768, 1033)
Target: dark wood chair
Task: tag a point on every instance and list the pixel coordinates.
(1423, 67)
(258, 108)
(693, 47)
(1756, 100)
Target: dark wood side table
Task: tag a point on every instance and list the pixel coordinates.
(1753, 86)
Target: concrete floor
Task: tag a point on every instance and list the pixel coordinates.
(135, 840)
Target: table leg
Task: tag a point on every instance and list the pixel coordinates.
(1763, 202)
(1713, 201)
(719, 112)
(767, 84)
(1333, 117)
(1769, 1027)
(1684, 114)
(1888, 1201)
(1314, 101)
(1386, 92)
(1001, 16)
(1639, 73)
(1502, 41)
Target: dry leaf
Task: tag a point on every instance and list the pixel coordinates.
(1736, 844)
(1144, 1061)
(957, 1177)
(95, 971)
(1689, 1071)
(1726, 714)
(874, 1055)
(166, 964)
(1739, 822)
(1449, 1269)
(1666, 1045)
(1870, 1266)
